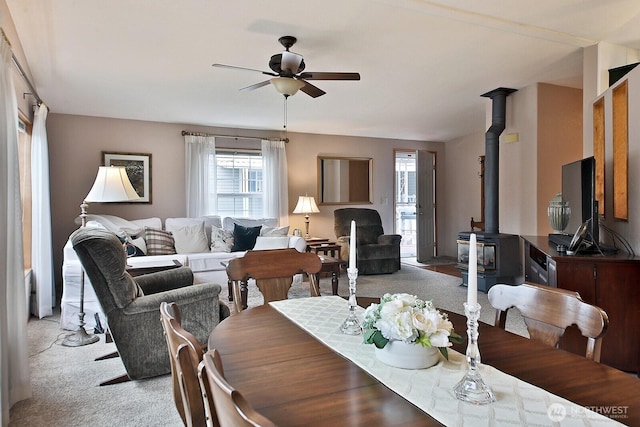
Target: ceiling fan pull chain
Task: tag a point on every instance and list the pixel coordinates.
(285, 113)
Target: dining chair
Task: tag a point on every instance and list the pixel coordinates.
(273, 271)
(232, 408)
(185, 353)
(548, 312)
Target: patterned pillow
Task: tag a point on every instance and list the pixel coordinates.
(159, 242)
(221, 240)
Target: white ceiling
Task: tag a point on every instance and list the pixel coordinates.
(424, 64)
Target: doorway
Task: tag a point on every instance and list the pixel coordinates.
(414, 203)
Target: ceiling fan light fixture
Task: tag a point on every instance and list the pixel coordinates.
(286, 85)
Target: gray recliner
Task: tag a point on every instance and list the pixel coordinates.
(131, 305)
(376, 252)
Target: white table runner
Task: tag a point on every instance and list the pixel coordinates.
(518, 403)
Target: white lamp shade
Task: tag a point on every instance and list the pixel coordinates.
(286, 85)
(112, 185)
(306, 205)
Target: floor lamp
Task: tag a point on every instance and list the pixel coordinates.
(111, 185)
(306, 205)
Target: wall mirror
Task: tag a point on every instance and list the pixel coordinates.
(344, 180)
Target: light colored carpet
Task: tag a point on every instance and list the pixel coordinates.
(444, 290)
(65, 379)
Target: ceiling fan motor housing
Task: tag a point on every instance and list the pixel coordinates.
(275, 63)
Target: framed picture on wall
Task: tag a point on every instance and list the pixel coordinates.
(138, 166)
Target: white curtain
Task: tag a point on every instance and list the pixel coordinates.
(14, 358)
(200, 160)
(41, 241)
(274, 180)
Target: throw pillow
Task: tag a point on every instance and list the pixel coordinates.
(274, 231)
(228, 222)
(132, 247)
(221, 240)
(244, 238)
(189, 238)
(159, 242)
(271, 242)
(135, 247)
(141, 245)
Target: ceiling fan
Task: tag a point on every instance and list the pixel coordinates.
(287, 71)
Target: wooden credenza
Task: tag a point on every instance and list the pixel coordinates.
(612, 282)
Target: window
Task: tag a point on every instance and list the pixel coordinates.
(239, 183)
(24, 159)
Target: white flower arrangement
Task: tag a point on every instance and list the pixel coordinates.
(405, 317)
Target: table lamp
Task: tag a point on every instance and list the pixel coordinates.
(111, 185)
(306, 205)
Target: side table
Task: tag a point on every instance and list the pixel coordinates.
(332, 266)
(325, 248)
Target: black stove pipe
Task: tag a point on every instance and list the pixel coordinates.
(492, 157)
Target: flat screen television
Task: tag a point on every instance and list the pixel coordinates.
(579, 189)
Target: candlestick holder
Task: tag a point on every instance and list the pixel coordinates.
(472, 387)
(351, 326)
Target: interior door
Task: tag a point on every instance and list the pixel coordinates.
(425, 207)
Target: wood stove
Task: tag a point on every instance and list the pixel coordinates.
(498, 254)
(498, 258)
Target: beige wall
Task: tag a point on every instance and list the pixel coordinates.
(629, 229)
(559, 143)
(302, 155)
(76, 143)
(518, 164)
(462, 189)
(548, 122)
(596, 62)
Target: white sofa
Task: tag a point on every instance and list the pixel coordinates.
(207, 263)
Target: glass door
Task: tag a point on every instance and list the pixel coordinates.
(405, 201)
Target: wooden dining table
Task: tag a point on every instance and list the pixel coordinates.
(294, 379)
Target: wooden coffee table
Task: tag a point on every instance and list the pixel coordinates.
(333, 266)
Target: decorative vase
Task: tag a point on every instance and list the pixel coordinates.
(408, 355)
(559, 212)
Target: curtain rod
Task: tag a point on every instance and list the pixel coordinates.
(21, 71)
(184, 133)
(26, 79)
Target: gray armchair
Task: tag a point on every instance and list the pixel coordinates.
(131, 305)
(376, 252)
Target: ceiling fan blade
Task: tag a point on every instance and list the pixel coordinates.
(310, 75)
(312, 90)
(290, 62)
(257, 85)
(233, 67)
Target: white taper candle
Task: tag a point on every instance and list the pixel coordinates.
(352, 246)
(472, 285)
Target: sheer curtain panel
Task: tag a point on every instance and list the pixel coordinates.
(200, 177)
(41, 241)
(274, 180)
(14, 358)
